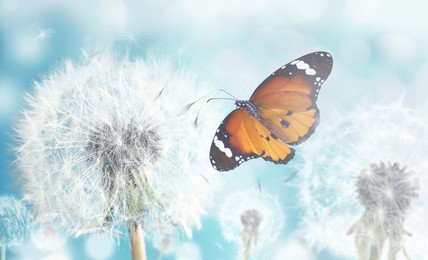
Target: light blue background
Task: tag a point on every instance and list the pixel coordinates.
(379, 49)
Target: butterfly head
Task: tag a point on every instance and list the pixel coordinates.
(249, 106)
(240, 103)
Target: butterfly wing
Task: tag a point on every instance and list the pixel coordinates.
(286, 114)
(286, 99)
(241, 137)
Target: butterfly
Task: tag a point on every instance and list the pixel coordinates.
(281, 112)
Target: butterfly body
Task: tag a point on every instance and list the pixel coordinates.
(281, 112)
(249, 107)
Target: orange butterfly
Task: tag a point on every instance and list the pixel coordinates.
(281, 112)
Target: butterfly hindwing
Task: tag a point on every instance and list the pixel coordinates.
(241, 137)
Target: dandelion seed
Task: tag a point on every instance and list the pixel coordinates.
(251, 219)
(370, 148)
(101, 145)
(130, 40)
(41, 34)
(14, 222)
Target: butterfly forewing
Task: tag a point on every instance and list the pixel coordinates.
(286, 99)
(304, 75)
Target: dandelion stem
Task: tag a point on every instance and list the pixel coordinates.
(138, 247)
(376, 249)
(3, 250)
(247, 248)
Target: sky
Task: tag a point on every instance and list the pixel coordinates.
(380, 52)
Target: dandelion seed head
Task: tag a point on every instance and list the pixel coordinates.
(102, 143)
(14, 221)
(251, 220)
(387, 187)
(123, 147)
(251, 215)
(369, 146)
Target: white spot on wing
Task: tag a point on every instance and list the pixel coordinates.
(301, 65)
(228, 152)
(220, 145)
(310, 72)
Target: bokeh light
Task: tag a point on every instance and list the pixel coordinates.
(99, 246)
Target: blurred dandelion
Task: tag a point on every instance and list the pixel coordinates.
(387, 139)
(104, 143)
(292, 249)
(45, 242)
(251, 219)
(48, 238)
(166, 241)
(39, 33)
(188, 251)
(386, 192)
(130, 41)
(99, 246)
(14, 222)
(30, 45)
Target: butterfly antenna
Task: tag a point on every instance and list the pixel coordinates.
(220, 99)
(259, 185)
(222, 90)
(234, 98)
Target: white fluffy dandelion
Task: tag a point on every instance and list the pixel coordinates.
(385, 191)
(14, 222)
(111, 142)
(251, 219)
(379, 148)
